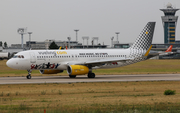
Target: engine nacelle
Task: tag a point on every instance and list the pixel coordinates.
(77, 70)
(50, 71)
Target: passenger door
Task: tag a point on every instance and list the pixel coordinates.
(32, 57)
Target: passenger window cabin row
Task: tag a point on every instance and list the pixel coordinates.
(80, 56)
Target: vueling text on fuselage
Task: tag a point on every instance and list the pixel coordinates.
(52, 52)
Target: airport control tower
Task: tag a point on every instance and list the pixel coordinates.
(169, 23)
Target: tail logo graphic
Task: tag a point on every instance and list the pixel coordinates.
(169, 49)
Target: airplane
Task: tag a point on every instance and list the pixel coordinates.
(83, 61)
(155, 53)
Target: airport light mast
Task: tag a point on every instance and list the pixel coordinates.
(117, 33)
(69, 38)
(112, 42)
(29, 39)
(95, 38)
(22, 31)
(87, 38)
(76, 30)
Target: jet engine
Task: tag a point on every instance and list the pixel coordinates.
(77, 70)
(50, 71)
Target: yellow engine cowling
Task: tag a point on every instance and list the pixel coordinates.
(77, 70)
(50, 71)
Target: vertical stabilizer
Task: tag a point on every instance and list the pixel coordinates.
(142, 46)
(144, 40)
(169, 49)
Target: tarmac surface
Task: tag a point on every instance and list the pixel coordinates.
(83, 78)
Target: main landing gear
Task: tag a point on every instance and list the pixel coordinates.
(29, 74)
(72, 76)
(91, 75)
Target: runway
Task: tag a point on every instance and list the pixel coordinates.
(99, 78)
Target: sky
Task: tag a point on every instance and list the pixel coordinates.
(57, 19)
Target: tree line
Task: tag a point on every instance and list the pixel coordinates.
(1, 44)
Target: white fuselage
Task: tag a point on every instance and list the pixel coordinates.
(59, 59)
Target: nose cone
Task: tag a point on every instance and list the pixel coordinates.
(18, 64)
(10, 63)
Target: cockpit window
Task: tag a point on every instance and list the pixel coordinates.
(14, 56)
(18, 56)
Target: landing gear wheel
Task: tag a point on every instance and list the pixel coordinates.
(72, 76)
(91, 75)
(28, 76)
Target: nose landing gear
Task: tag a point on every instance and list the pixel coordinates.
(29, 74)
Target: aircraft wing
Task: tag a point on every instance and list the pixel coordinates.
(107, 60)
(102, 61)
(93, 62)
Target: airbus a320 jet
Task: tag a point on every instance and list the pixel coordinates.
(83, 61)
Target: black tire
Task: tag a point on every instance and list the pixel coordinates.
(91, 75)
(28, 76)
(72, 76)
